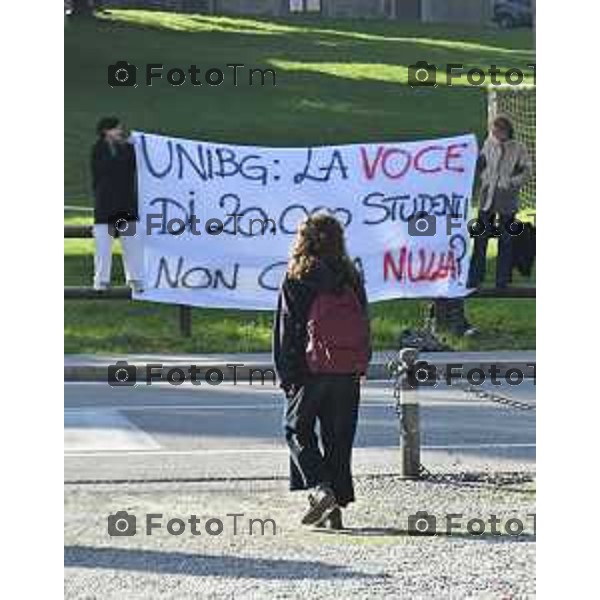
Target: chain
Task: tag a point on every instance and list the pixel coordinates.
(471, 390)
(464, 477)
(398, 372)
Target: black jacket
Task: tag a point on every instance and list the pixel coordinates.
(113, 181)
(523, 251)
(293, 306)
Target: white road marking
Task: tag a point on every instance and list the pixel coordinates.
(167, 407)
(282, 450)
(365, 405)
(134, 407)
(98, 430)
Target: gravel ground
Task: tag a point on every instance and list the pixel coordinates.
(374, 557)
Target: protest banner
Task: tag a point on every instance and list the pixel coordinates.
(217, 220)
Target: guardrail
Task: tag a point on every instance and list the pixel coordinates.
(185, 312)
(116, 293)
(79, 231)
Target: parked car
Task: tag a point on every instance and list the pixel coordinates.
(513, 13)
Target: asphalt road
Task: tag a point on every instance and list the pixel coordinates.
(162, 432)
(213, 452)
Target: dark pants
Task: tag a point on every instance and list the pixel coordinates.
(333, 402)
(448, 316)
(478, 260)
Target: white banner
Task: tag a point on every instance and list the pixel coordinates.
(253, 198)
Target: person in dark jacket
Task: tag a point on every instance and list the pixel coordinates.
(319, 263)
(115, 208)
(523, 255)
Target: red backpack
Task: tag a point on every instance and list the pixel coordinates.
(338, 335)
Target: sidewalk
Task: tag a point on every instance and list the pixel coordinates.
(93, 367)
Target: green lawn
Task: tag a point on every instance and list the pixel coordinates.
(337, 82)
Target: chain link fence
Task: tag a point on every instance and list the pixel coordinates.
(518, 103)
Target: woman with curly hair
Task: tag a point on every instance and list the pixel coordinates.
(321, 350)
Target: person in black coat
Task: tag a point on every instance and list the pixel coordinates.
(319, 265)
(113, 171)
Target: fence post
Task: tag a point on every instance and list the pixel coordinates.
(410, 435)
(185, 320)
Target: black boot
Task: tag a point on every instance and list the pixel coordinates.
(321, 503)
(334, 520)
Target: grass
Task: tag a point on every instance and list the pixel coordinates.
(122, 327)
(337, 82)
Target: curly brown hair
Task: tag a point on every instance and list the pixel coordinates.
(320, 237)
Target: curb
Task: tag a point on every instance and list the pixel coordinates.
(255, 371)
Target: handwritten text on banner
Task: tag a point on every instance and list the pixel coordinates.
(259, 195)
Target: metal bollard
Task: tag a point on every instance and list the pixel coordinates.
(408, 408)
